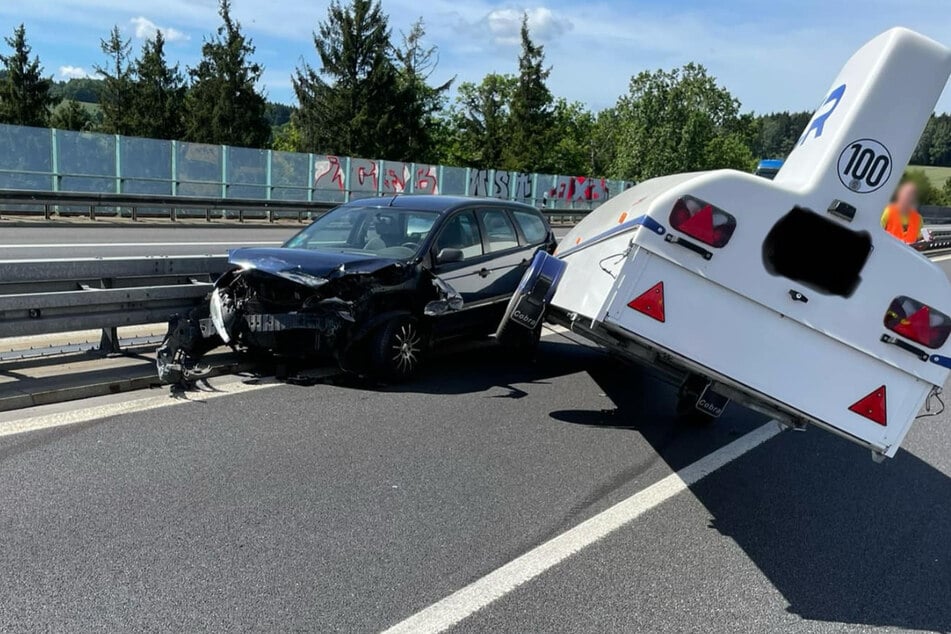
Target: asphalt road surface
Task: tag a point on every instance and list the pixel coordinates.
(485, 488)
(91, 240)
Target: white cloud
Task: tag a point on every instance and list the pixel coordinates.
(505, 24)
(145, 29)
(72, 72)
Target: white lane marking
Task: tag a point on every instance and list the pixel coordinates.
(73, 245)
(62, 419)
(941, 258)
(457, 606)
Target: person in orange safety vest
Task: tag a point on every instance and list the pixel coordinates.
(901, 218)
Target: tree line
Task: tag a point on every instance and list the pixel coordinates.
(371, 94)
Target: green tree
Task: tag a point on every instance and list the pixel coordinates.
(25, 97)
(946, 192)
(352, 104)
(928, 194)
(71, 115)
(420, 103)
(287, 138)
(223, 105)
(671, 121)
(570, 147)
(774, 135)
(158, 102)
(605, 143)
(479, 122)
(531, 116)
(116, 93)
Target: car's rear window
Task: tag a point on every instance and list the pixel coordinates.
(533, 227)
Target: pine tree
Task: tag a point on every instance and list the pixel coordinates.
(480, 122)
(159, 94)
(115, 97)
(223, 105)
(71, 116)
(358, 112)
(25, 97)
(531, 118)
(420, 102)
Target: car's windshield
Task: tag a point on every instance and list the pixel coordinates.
(383, 231)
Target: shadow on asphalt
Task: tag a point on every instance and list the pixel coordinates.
(843, 539)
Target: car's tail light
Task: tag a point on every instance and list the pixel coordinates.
(702, 221)
(916, 321)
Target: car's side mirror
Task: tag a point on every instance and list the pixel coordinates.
(448, 256)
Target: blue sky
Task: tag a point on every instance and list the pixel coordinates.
(773, 55)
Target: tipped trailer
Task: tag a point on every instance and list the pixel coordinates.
(783, 295)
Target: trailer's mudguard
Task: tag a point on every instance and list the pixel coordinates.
(788, 302)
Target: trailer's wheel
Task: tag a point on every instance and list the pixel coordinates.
(397, 348)
(687, 397)
(518, 340)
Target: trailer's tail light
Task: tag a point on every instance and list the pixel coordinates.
(916, 321)
(651, 302)
(872, 407)
(702, 221)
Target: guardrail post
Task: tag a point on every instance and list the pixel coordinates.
(54, 158)
(174, 167)
(346, 182)
(311, 177)
(109, 343)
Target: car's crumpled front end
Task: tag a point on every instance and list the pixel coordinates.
(289, 303)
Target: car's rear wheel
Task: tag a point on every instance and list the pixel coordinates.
(397, 349)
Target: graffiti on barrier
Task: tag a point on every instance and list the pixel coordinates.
(395, 177)
(501, 184)
(365, 176)
(328, 173)
(579, 188)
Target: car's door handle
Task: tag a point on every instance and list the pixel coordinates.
(484, 272)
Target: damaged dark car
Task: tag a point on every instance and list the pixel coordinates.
(372, 285)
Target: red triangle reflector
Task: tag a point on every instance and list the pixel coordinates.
(651, 302)
(700, 225)
(872, 407)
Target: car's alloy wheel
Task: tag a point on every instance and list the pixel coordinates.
(406, 347)
(397, 349)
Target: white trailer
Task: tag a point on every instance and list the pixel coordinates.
(784, 295)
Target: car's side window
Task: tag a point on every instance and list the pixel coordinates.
(461, 232)
(499, 231)
(532, 226)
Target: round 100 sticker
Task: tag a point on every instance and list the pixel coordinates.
(864, 165)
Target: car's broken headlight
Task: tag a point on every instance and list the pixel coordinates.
(217, 310)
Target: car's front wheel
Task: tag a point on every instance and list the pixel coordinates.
(397, 349)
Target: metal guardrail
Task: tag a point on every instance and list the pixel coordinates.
(171, 207)
(55, 296)
(142, 205)
(39, 297)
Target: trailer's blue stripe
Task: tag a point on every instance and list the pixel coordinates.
(640, 221)
(942, 361)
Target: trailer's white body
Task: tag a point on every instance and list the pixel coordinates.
(728, 317)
